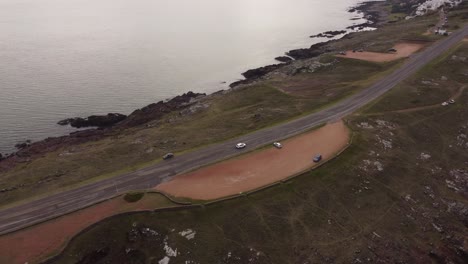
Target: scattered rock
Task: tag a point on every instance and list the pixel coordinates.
(283, 59)
(365, 125)
(438, 228)
(164, 260)
(424, 156)
(458, 58)
(378, 165)
(426, 82)
(150, 150)
(387, 144)
(188, 234)
(458, 181)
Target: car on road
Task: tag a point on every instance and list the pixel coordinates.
(168, 156)
(451, 101)
(240, 145)
(318, 158)
(444, 104)
(277, 145)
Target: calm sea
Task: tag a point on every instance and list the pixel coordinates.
(67, 58)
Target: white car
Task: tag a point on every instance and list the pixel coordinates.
(444, 104)
(452, 101)
(277, 145)
(240, 145)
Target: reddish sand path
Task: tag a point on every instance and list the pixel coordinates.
(38, 242)
(403, 50)
(259, 168)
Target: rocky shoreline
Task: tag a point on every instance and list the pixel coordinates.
(110, 124)
(107, 125)
(370, 13)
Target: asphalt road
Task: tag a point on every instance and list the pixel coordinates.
(37, 211)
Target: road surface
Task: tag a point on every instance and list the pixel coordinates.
(21, 216)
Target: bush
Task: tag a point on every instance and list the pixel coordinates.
(133, 197)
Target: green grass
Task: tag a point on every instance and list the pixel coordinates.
(343, 211)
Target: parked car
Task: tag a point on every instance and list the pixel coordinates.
(318, 158)
(452, 101)
(168, 156)
(277, 145)
(240, 145)
(444, 104)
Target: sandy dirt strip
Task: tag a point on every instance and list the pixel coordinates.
(259, 168)
(403, 50)
(36, 243)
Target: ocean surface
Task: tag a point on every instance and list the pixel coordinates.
(67, 58)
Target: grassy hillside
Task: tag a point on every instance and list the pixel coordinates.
(397, 195)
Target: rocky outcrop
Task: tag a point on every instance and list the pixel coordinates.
(255, 74)
(94, 120)
(283, 59)
(314, 51)
(157, 110)
(23, 145)
(329, 34)
(259, 72)
(109, 125)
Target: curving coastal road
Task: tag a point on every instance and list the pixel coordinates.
(43, 209)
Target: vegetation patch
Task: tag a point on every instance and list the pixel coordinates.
(133, 197)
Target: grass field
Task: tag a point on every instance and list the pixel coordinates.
(226, 116)
(397, 195)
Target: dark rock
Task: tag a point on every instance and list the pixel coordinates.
(259, 72)
(360, 26)
(240, 82)
(23, 145)
(329, 34)
(94, 120)
(314, 51)
(254, 74)
(157, 110)
(283, 59)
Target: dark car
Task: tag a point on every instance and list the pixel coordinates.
(168, 156)
(318, 158)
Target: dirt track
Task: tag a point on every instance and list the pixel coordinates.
(259, 168)
(35, 243)
(403, 50)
